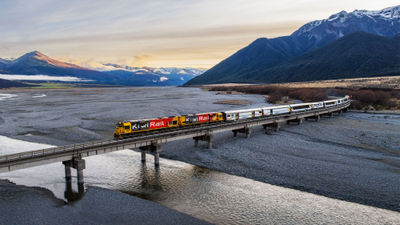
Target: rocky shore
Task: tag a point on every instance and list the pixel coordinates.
(27, 205)
(352, 157)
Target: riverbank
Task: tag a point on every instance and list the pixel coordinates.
(27, 205)
(208, 195)
(363, 97)
(353, 157)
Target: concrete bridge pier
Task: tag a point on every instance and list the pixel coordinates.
(70, 194)
(79, 164)
(317, 118)
(153, 148)
(156, 151)
(209, 138)
(76, 163)
(277, 127)
(299, 121)
(329, 115)
(67, 166)
(268, 128)
(244, 130)
(143, 156)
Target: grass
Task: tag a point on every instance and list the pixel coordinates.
(233, 102)
(379, 93)
(51, 85)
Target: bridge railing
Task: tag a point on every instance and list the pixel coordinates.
(52, 150)
(77, 147)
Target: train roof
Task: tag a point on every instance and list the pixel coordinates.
(276, 107)
(334, 100)
(147, 119)
(299, 104)
(242, 110)
(200, 113)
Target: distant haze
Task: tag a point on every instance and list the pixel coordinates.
(158, 33)
(41, 78)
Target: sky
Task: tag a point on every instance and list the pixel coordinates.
(155, 33)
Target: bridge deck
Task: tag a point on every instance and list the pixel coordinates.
(68, 152)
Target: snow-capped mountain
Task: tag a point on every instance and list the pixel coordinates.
(4, 61)
(148, 76)
(251, 63)
(159, 71)
(385, 22)
(37, 57)
(37, 63)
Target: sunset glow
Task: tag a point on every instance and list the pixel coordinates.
(154, 33)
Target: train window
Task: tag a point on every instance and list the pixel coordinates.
(127, 127)
(174, 122)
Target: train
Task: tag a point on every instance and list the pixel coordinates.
(129, 128)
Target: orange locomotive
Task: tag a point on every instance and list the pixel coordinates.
(129, 128)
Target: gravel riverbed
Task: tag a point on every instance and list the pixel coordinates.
(354, 157)
(26, 205)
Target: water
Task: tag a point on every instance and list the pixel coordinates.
(76, 115)
(6, 96)
(209, 195)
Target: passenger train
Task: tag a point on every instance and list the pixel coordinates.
(129, 128)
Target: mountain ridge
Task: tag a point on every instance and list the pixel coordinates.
(311, 36)
(354, 55)
(37, 63)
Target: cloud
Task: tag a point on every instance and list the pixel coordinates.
(141, 60)
(154, 33)
(42, 77)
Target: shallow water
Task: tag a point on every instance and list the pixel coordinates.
(75, 115)
(209, 195)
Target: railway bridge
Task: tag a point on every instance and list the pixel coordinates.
(72, 155)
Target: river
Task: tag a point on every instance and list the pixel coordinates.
(203, 193)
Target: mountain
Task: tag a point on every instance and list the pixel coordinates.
(263, 54)
(124, 77)
(36, 63)
(148, 76)
(151, 70)
(8, 83)
(4, 61)
(358, 54)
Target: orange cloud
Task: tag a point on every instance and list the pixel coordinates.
(141, 60)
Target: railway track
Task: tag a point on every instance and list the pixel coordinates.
(69, 152)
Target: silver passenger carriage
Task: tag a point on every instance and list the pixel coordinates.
(302, 107)
(241, 114)
(317, 105)
(276, 110)
(330, 103)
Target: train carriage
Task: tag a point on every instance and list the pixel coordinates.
(134, 126)
(129, 128)
(317, 105)
(330, 103)
(234, 115)
(276, 110)
(301, 107)
(200, 118)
